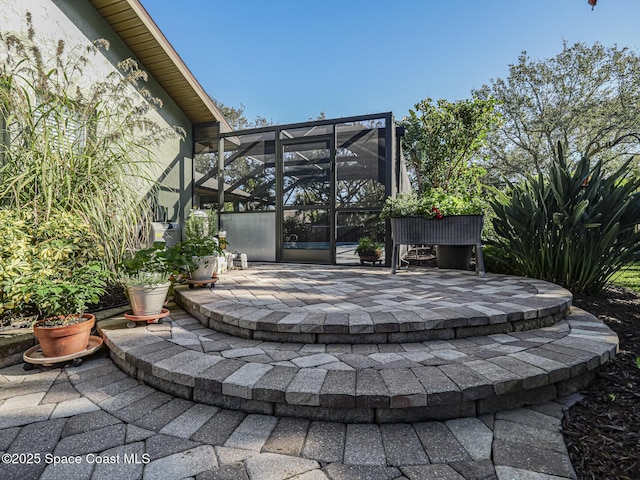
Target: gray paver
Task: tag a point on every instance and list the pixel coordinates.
(422, 472)
(473, 435)
(89, 421)
(305, 387)
(440, 444)
(130, 462)
(528, 435)
(91, 441)
(325, 442)
(181, 465)
(402, 446)
(252, 433)
(288, 436)
(531, 458)
(158, 445)
(240, 383)
(217, 430)
(271, 466)
(190, 421)
(363, 445)
(352, 472)
(159, 417)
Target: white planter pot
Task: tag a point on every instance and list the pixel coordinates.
(148, 299)
(205, 267)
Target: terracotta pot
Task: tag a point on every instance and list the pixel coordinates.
(64, 340)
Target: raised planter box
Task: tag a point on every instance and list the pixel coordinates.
(452, 230)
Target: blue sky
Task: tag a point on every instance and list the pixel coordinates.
(288, 60)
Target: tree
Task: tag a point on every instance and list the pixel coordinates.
(442, 138)
(586, 97)
(236, 118)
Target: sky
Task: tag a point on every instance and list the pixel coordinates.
(290, 60)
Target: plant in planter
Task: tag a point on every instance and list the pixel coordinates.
(64, 328)
(51, 270)
(441, 142)
(368, 250)
(146, 277)
(201, 249)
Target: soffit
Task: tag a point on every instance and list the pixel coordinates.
(134, 26)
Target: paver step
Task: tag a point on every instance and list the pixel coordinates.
(383, 383)
(327, 304)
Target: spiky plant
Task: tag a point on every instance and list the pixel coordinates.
(572, 226)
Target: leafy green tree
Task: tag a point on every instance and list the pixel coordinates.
(586, 97)
(236, 117)
(441, 139)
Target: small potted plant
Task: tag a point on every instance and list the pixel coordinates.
(64, 328)
(369, 250)
(146, 278)
(201, 249)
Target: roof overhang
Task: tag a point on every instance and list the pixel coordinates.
(138, 31)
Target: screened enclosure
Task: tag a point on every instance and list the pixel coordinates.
(302, 192)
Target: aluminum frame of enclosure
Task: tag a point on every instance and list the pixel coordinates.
(315, 186)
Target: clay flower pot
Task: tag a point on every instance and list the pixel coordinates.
(66, 339)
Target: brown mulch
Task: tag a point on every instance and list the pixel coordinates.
(602, 431)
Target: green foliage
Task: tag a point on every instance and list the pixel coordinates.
(367, 246)
(152, 266)
(47, 266)
(200, 230)
(587, 96)
(441, 140)
(574, 227)
(66, 296)
(201, 225)
(85, 147)
(435, 203)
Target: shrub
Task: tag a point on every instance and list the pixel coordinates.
(47, 266)
(574, 227)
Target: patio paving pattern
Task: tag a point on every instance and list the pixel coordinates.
(324, 304)
(449, 376)
(386, 382)
(118, 428)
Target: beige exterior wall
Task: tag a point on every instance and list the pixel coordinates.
(78, 23)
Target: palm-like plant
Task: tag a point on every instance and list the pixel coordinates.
(575, 227)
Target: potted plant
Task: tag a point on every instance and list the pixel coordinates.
(146, 277)
(368, 250)
(51, 269)
(65, 328)
(201, 249)
(451, 222)
(441, 140)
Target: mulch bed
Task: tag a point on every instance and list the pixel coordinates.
(602, 431)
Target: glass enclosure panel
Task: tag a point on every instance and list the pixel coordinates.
(360, 165)
(307, 174)
(306, 236)
(351, 227)
(250, 174)
(253, 233)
